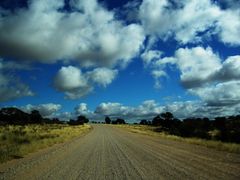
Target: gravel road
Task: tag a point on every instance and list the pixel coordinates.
(112, 153)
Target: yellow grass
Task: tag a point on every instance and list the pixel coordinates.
(149, 130)
(17, 141)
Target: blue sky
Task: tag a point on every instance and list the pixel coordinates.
(130, 59)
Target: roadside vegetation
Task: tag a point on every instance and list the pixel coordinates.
(17, 141)
(222, 133)
(22, 133)
(153, 131)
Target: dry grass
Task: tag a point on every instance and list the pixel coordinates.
(17, 141)
(148, 130)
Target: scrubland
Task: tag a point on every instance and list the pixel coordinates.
(152, 131)
(17, 141)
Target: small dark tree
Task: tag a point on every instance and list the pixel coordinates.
(157, 121)
(143, 122)
(36, 117)
(82, 119)
(72, 122)
(120, 121)
(167, 116)
(107, 120)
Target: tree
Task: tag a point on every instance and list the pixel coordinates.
(167, 123)
(167, 116)
(72, 122)
(11, 115)
(82, 119)
(119, 121)
(107, 120)
(36, 117)
(157, 121)
(143, 122)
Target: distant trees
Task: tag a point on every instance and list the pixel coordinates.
(80, 120)
(16, 116)
(226, 129)
(157, 121)
(107, 120)
(145, 122)
(36, 117)
(119, 121)
(195, 127)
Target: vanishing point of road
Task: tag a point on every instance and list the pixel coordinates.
(108, 153)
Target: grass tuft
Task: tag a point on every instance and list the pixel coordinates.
(17, 141)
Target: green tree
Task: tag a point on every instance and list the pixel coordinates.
(107, 120)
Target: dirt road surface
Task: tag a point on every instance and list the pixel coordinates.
(112, 153)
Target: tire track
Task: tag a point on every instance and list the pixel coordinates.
(110, 153)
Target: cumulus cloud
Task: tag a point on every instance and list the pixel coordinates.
(221, 94)
(103, 76)
(72, 81)
(151, 55)
(76, 84)
(89, 34)
(190, 21)
(150, 108)
(229, 27)
(197, 65)
(200, 109)
(112, 109)
(46, 110)
(230, 69)
(205, 74)
(82, 109)
(64, 116)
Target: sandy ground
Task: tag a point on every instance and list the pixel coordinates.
(112, 153)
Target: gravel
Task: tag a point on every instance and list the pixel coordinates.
(109, 153)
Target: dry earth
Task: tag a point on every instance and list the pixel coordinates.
(112, 153)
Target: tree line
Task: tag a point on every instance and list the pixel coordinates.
(226, 129)
(15, 116)
(117, 121)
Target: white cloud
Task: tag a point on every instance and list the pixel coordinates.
(205, 74)
(103, 76)
(230, 69)
(200, 109)
(157, 75)
(113, 109)
(149, 56)
(82, 109)
(69, 78)
(190, 21)
(221, 94)
(76, 84)
(46, 110)
(72, 81)
(197, 65)
(146, 110)
(150, 108)
(229, 27)
(64, 116)
(89, 34)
